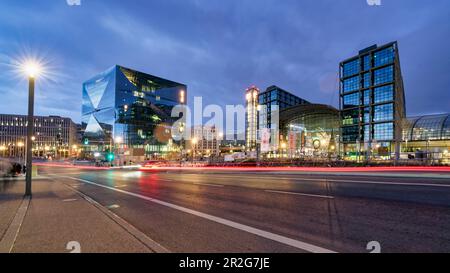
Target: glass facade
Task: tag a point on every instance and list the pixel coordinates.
(275, 96)
(425, 128)
(352, 84)
(130, 107)
(310, 130)
(372, 102)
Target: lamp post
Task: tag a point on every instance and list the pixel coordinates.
(31, 69)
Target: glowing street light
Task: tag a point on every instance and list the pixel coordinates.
(118, 140)
(31, 69)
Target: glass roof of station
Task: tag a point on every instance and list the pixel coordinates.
(423, 128)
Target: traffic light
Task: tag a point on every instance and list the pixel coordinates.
(86, 141)
(110, 157)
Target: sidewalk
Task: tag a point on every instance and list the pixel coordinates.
(57, 215)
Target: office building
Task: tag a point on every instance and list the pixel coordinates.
(129, 112)
(372, 104)
(54, 136)
(270, 103)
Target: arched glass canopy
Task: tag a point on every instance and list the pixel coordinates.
(423, 128)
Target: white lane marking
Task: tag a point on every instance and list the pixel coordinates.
(265, 234)
(299, 179)
(206, 184)
(301, 194)
(70, 200)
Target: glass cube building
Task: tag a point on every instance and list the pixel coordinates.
(129, 112)
(372, 104)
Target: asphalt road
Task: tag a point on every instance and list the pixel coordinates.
(207, 211)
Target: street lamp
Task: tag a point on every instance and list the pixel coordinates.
(31, 70)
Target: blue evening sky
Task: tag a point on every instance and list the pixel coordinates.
(218, 47)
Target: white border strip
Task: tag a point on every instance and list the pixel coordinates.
(8, 241)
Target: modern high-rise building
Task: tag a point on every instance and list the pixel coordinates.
(251, 117)
(54, 136)
(129, 112)
(372, 103)
(275, 96)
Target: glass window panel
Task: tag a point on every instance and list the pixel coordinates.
(384, 75)
(351, 84)
(366, 115)
(350, 117)
(351, 100)
(366, 133)
(366, 99)
(351, 68)
(350, 134)
(384, 94)
(383, 112)
(367, 81)
(367, 63)
(385, 56)
(384, 131)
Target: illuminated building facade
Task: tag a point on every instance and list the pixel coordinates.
(372, 104)
(251, 116)
(129, 112)
(205, 141)
(54, 136)
(427, 137)
(271, 103)
(310, 130)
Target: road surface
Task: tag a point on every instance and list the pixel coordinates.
(231, 211)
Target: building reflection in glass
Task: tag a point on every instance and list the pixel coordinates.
(129, 112)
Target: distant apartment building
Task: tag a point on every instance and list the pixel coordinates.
(372, 103)
(205, 141)
(53, 136)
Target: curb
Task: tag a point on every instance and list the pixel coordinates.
(10, 236)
